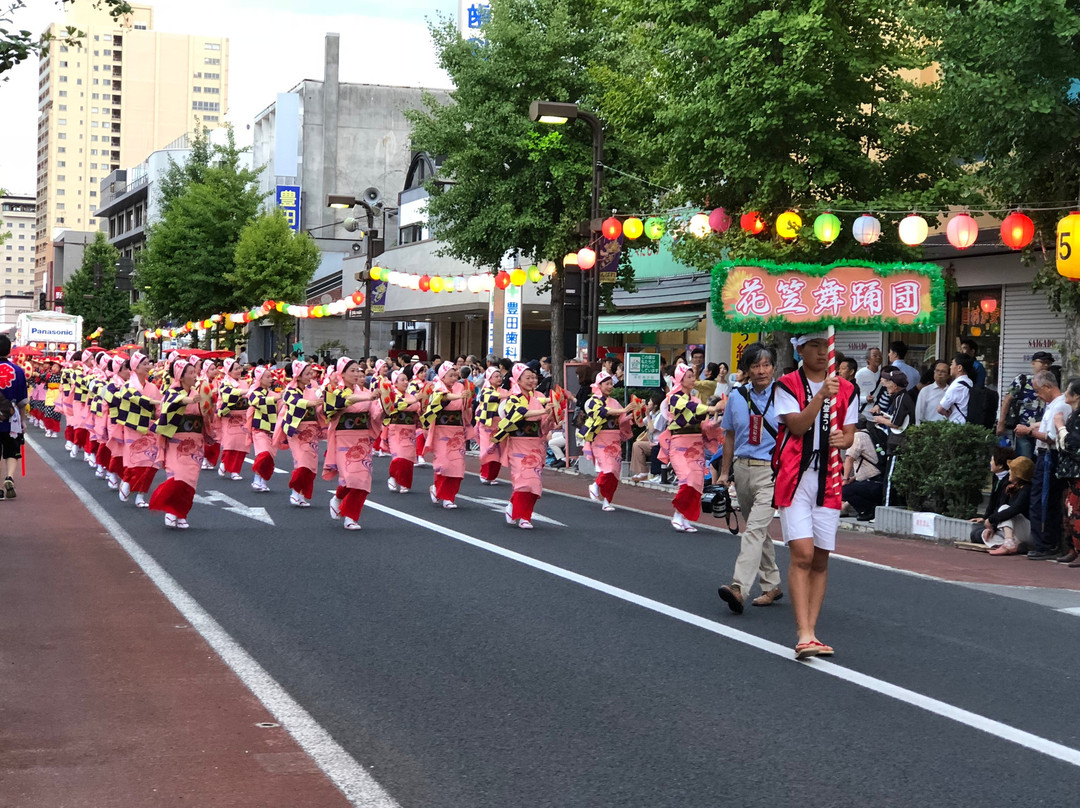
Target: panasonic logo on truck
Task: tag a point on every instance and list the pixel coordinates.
(51, 334)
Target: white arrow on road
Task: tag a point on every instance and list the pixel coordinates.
(234, 506)
(499, 505)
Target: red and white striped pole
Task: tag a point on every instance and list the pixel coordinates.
(836, 466)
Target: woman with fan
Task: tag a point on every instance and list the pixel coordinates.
(607, 425)
(488, 402)
(527, 419)
(355, 422)
(181, 425)
(302, 424)
(207, 386)
(263, 422)
(120, 370)
(232, 419)
(401, 413)
(449, 425)
(139, 403)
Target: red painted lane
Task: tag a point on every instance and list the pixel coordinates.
(105, 697)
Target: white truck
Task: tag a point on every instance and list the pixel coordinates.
(50, 332)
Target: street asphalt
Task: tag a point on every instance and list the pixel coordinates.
(461, 675)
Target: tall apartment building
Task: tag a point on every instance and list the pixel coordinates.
(128, 91)
(17, 220)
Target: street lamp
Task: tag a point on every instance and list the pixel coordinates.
(375, 248)
(555, 112)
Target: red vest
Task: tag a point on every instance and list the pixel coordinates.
(793, 454)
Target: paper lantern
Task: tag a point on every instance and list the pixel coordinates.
(866, 229)
(570, 260)
(633, 228)
(414, 283)
(699, 225)
(502, 279)
(229, 325)
(376, 273)
(517, 277)
(611, 228)
(358, 298)
(586, 258)
(752, 223)
(435, 283)
(548, 267)
(1017, 230)
(962, 230)
(460, 284)
(534, 274)
(1068, 246)
(826, 228)
(913, 230)
(988, 305)
(475, 284)
(425, 283)
(788, 225)
(447, 283)
(719, 220)
(654, 227)
(281, 306)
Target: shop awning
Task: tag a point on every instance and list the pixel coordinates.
(648, 323)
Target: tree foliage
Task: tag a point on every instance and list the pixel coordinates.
(184, 270)
(16, 46)
(273, 263)
(94, 296)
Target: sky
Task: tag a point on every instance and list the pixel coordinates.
(274, 44)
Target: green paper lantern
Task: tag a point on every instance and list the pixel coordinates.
(654, 227)
(826, 228)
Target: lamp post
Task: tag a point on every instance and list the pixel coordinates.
(554, 112)
(374, 248)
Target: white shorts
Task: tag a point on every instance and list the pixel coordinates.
(805, 519)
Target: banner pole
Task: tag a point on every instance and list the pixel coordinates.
(836, 467)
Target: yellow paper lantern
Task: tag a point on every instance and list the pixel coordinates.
(570, 260)
(633, 228)
(788, 225)
(376, 273)
(229, 325)
(435, 284)
(1068, 246)
(517, 277)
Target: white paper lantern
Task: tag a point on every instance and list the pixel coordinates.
(866, 229)
(913, 230)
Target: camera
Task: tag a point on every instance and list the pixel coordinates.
(716, 499)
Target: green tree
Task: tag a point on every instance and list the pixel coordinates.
(92, 294)
(519, 186)
(190, 251)
(16, 46)
(273, 263)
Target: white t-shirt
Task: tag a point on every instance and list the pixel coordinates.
(957, 394)
(1059, 404)
(787, 405)
(867, 381)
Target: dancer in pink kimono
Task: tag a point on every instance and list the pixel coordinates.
(379, 377)
(526, 421)
(692, 435)
(143, 449)
(355, 422)
(262, 421)
(65, 404)
(416, 387)
(232, 418)
(97, 418)
(181, 426)
(120, 368)
(303, 425)
(79, 405)
(403, 418)
(449, 427)
(488, 401)
(607, 425)
(207, 385)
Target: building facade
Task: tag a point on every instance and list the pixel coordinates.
(127, 91)
(17, 218)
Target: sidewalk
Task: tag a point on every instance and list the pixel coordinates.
(108, 699)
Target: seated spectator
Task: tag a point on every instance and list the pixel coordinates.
(645, 446)
(1008, 528)
(999, 467)
(862, 490)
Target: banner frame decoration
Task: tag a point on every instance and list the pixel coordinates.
(934, 317)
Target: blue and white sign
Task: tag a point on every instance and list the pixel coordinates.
(288, 199)
(512, 323)
(472, 15)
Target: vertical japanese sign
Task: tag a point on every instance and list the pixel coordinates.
(378, 296)
(288, 199)
(491, 321)
(512, 323)
(763, 296)
(607, 260)
(472, 14)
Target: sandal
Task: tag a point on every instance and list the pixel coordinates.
(823, 649)
(805, 650)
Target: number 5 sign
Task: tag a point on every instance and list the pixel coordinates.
(1068, 247)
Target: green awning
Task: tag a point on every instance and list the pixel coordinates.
(648, 323)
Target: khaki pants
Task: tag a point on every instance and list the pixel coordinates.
(757, 556)
(639, 455)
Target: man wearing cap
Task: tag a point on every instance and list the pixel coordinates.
(14, 390)
(1030, 405)
(817, 413)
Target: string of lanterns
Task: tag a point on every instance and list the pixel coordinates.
(478, 283)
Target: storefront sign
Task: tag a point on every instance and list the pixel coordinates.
(512, 323)
(288, 199)
(642, 370)
(763, 296)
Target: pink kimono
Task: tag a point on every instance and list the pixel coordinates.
(446, 439)
(144, 452)
(605, 449)
(183, 460)
(487, 423)
(524, 447)
(401, 437)
(687, 443)
(305, 440)
(233, 430)
(348, 452)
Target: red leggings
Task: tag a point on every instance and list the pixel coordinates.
(116, 465)
(522, 504)
(212, 452)
(688, 502)
(490, 470)
(402, 471)
(446, 488)
(233, 460)
(104, 455)
(52, 424)
(69, 434)
(352, 501)
(303, 482)
(420, 445)
(264, 465)
(173, 497)
(81, 438)
(607, 483)
(140, 478)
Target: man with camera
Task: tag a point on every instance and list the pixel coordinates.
(749, 426)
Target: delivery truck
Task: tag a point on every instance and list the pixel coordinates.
(48, 331)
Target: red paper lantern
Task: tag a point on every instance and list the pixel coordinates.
(962, 230)
(752, 223)
(424, 284)
(988, 305)
(358, 297)
(719, 221)
(1017, 231)
(611, 228)
(502, 279)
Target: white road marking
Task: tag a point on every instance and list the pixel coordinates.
(352, 779)
(235, 506)
(1075, 611)
(499, 506)
(998, 729)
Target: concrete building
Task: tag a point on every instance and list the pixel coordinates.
(68, 248)
(333, 137)
(127, 91)
(17, 215)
